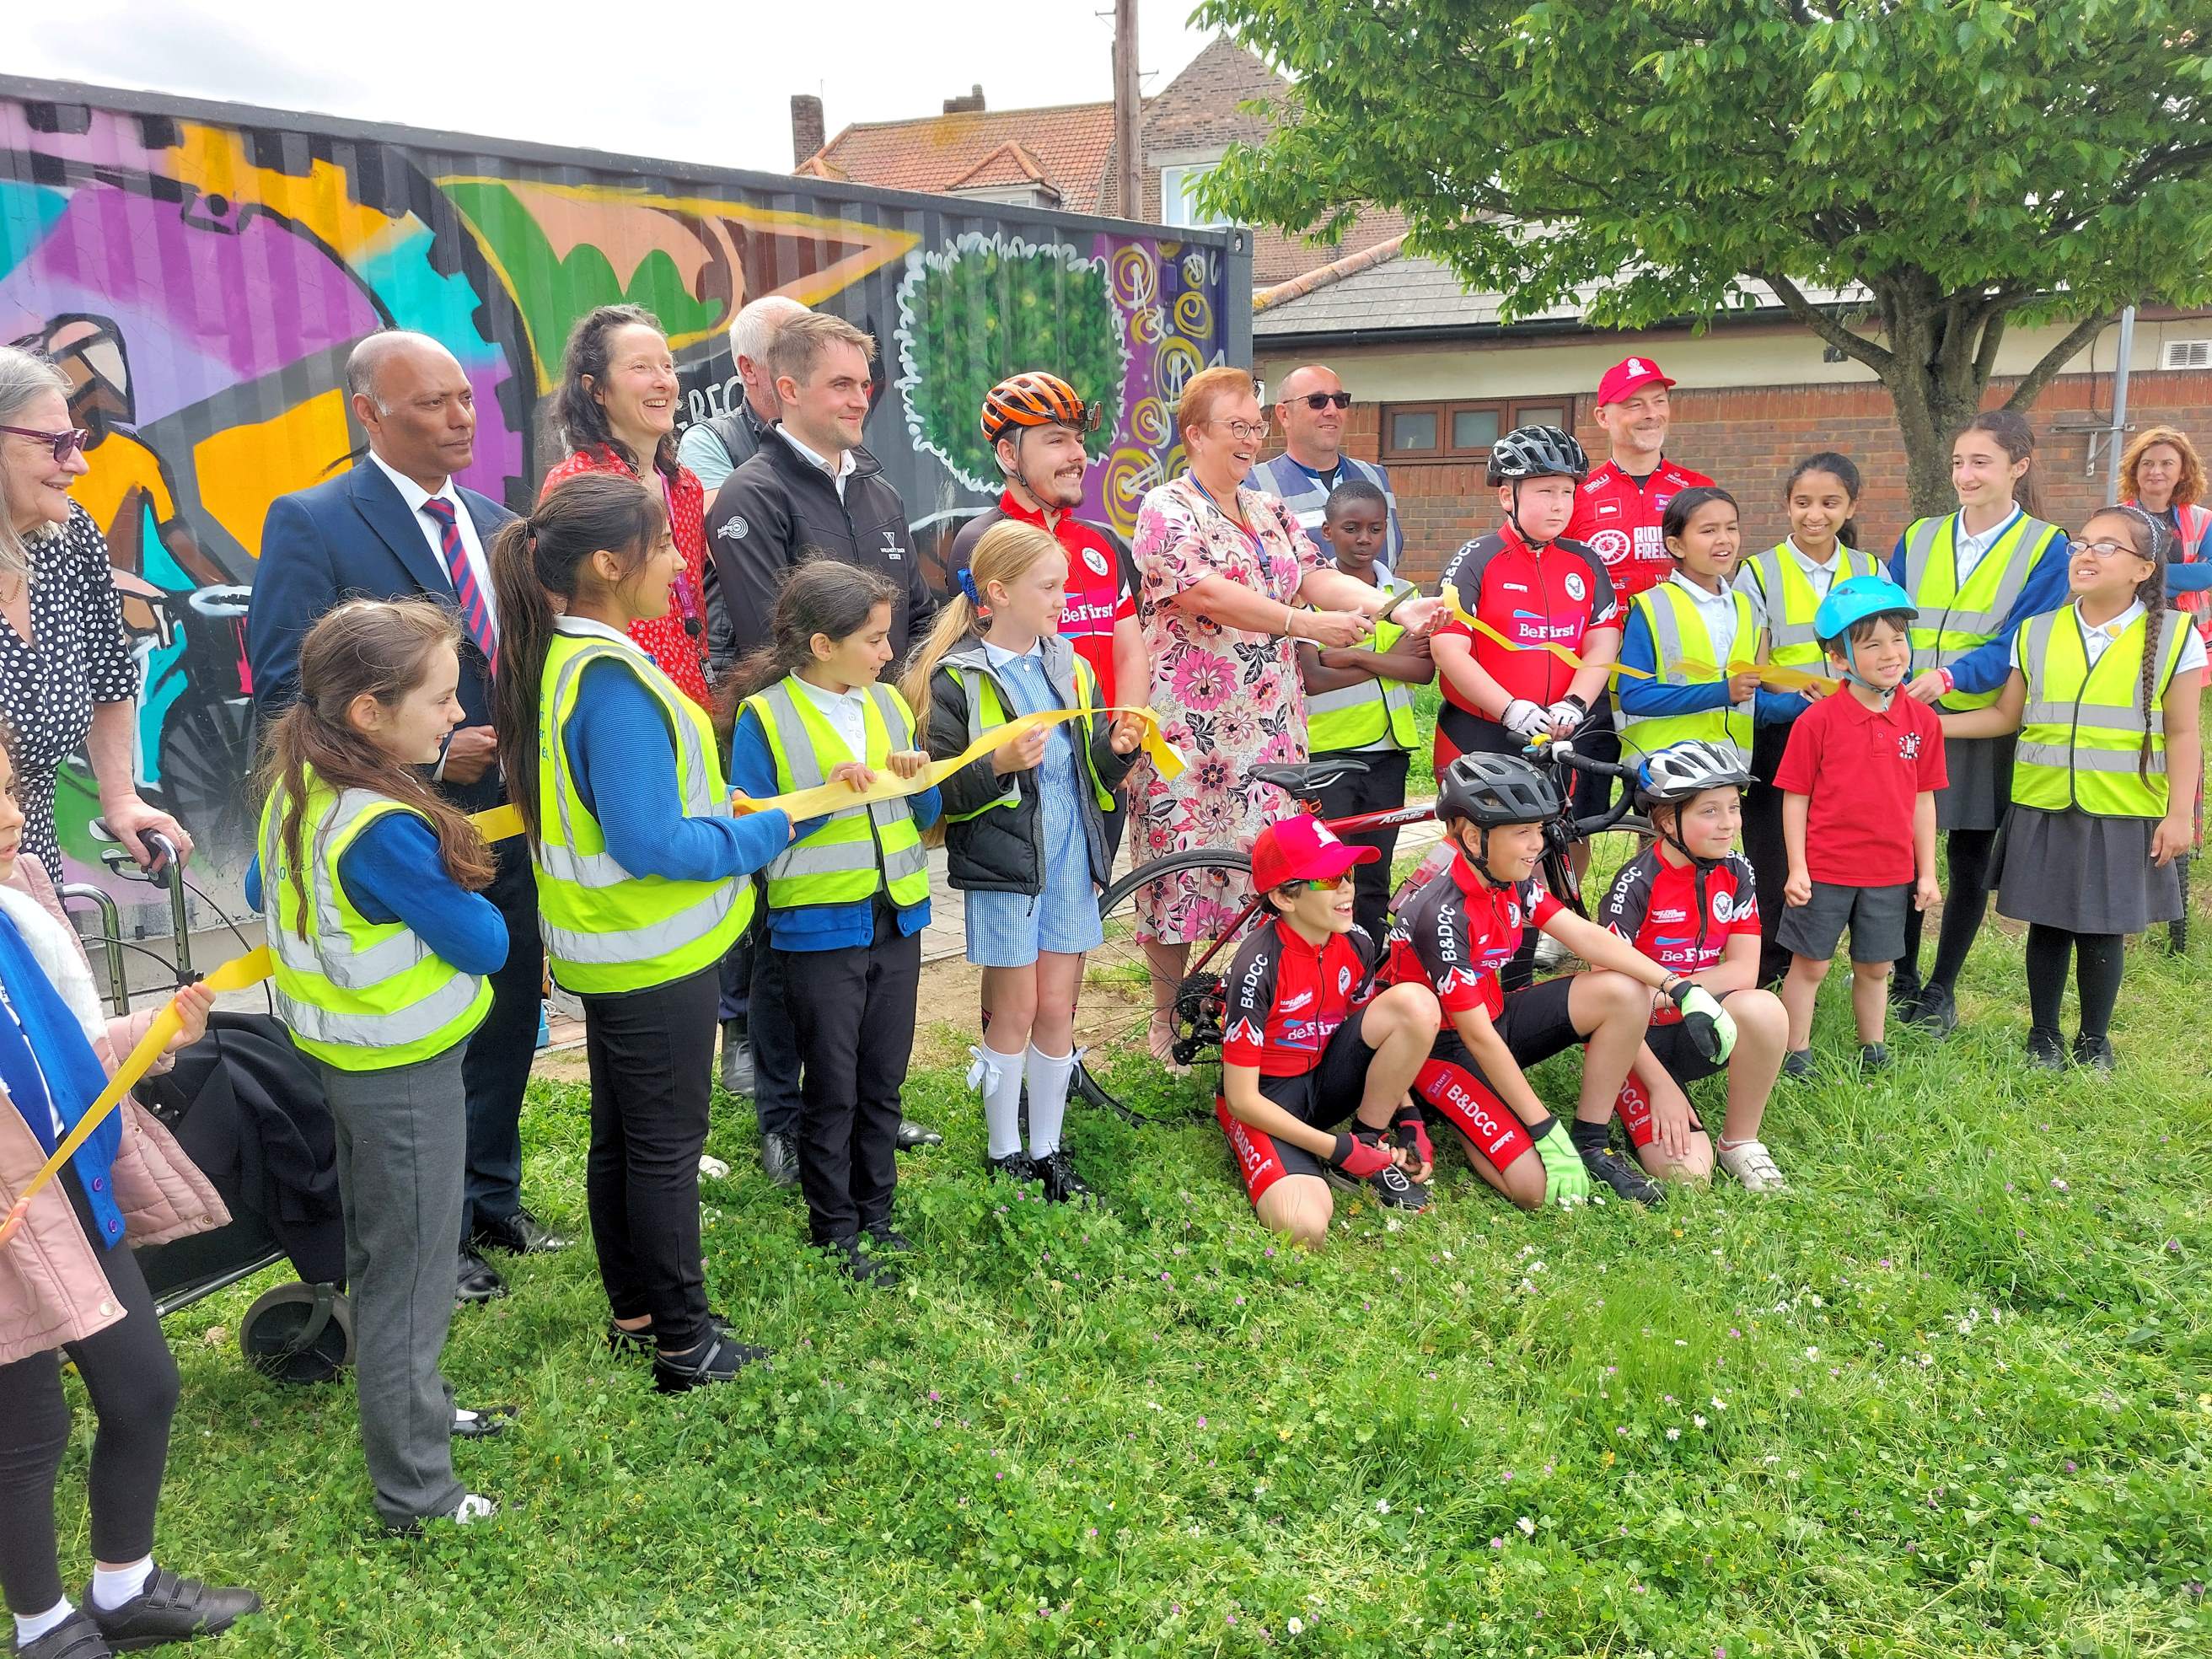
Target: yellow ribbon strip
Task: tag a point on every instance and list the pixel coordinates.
(1772, 677)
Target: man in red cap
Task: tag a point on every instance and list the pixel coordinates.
(1618, 510)
(1310, 1044)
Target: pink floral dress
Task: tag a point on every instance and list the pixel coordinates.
(1229, 699)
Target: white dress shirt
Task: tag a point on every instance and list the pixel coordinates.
(1822, 577)
(846, 712)
(838, 473)
(471, 548)
(1969, 551)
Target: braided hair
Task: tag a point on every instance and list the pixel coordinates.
(2150, 536)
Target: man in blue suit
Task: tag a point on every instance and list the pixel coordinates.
(397, 525)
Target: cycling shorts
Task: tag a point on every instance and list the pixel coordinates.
(1671, 1046)
(1324, 1097)
(1535, 1025)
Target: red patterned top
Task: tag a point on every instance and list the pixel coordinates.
(682, 654)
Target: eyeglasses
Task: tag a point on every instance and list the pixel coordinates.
(64, 444)
(1245, 431)
(1321, 400)
(1319, 884)
(2108, 549)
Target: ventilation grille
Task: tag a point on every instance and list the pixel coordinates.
(2187, 354)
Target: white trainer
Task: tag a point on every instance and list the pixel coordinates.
(1750, 1163)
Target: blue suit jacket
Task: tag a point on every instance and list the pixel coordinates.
(354, 537)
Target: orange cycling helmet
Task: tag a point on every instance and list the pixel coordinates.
(1034, 399)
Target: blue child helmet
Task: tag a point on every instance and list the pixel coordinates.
(1857, 599)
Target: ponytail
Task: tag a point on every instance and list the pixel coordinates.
(1005, 553)
(2151, 538)
(534, 559)
(2017, 439)
(954, 622)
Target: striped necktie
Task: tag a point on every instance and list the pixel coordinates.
(476, 615)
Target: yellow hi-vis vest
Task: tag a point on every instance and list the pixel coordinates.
(857, 851)
(2081, 731)
(1356, 715)
(1954, 619)
(361, 995)
(1679, 635)
(1791, 640)
(986, 710)
(607, 929)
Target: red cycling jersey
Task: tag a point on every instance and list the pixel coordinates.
(1555, 594)
(1456, 932)
(1617, 516)
(1681, 919)
(1287, 997)
(1100, 590)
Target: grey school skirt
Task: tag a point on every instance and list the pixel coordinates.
(1980, 788)
(2087, 875)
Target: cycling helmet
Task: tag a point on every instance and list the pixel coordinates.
(1682, 771)
(1495, 790)
(1537, 452)
(1034, 399)
(1857, 599)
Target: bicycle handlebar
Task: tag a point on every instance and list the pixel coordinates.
(1562, 752)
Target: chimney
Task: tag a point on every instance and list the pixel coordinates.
(971, 104)
(806, 133)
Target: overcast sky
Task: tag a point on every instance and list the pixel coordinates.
(717, 87)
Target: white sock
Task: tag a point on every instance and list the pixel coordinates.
(1047, 1079)
(30, 1627)
(113, 1586)
(997, 1078)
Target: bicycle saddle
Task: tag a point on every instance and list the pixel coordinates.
(1304, 782)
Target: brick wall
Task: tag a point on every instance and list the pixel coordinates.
(1748, 439)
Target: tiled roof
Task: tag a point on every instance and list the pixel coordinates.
(1068, 146)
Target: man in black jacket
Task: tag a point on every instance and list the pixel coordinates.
(812, 492)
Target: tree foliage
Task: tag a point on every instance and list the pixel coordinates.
(1972, 163)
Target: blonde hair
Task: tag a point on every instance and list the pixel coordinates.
(1208, 387)
(2187, 490)
(1005, 552)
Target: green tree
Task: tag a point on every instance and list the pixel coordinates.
(1975, 164)
(987, 307)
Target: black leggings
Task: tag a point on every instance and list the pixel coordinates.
(2099, 958)
(132, 1378)
(1966, 897)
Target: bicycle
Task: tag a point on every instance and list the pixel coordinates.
(1119, 974)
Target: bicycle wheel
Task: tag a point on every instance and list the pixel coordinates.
(1113, 1018)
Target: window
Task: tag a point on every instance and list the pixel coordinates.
(1177, 206)
(1463, 431)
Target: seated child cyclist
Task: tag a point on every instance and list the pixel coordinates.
(1689, 901)
(1457, 931)
(1858, 814)
(1309, 1044)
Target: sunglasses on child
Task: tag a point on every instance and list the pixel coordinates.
(1319, 884)
(1321, 400)
(64, 444)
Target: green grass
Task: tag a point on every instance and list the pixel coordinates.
(1947, 1397)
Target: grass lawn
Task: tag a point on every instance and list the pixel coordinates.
(1949, 1397)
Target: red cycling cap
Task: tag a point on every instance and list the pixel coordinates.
(1628, 375)
(1302, 848)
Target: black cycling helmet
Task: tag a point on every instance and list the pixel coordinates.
(1495, 790)
(1537, 452)
(1683, 771)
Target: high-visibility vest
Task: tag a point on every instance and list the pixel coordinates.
(863, 848)
(986, 710)
(1791, 603)
(1679, 635)
(2081, 730)
(1354, 716)
(360, 995)
(609, 930)
(1955, 620)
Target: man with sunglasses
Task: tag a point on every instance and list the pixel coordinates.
(1310, 411)
(1035, 424)
(1310, 1045)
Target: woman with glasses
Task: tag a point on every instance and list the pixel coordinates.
(67, 681)
(1227, 574)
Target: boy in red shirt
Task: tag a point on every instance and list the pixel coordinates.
(1858, 813)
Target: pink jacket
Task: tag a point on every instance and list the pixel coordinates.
(53, 1288)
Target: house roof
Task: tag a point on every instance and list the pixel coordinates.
(1064, 148)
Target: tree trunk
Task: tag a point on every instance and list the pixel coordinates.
(1936, 391)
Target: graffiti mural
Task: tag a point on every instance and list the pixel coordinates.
(201, 271)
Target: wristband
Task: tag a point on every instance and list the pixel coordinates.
(1950, 683)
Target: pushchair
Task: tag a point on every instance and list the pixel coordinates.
(248, 1111)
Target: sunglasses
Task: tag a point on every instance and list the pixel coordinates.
(1320, 400)
(64, 444)
(1319, 884)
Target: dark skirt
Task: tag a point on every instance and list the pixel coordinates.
(1980, 788)
(2087, 875)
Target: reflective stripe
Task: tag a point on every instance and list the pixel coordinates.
(2095, 716)
(1793, 640)
(1954, 620)
(858, 840)
(2065, 758)
(1369, 711)
(422, 1019)
(2098, 753)
(1663, 609)
(654, 939)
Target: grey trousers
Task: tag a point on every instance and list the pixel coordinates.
(402, 1141)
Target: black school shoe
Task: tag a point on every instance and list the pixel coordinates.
(169, 1609)
(2046, 1048)
(862, 1261)
(75, 1637)
(638, 1342)
(1626, 1179)
(911, 1134)
(520, 1234)
(483, 1422)
(717, 1359)
(1061, 1184)
(2094, 1052)
(1017, 1165)
(1936, 1012)
(886, 1240)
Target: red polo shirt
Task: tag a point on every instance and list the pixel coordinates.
(1860, 769)
(1100, 590)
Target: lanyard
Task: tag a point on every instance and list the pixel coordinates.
(1259, 552)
